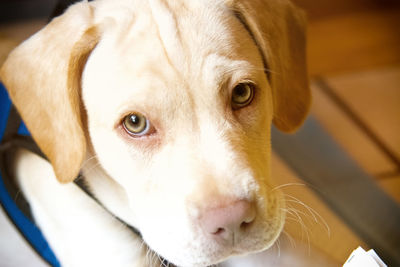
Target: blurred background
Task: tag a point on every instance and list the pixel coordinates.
(354, 65)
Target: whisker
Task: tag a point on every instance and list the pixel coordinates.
(302, 224)
(152, 257)
(292, 210)
(94, 167)
(286, 185)
(148, 259)
(264, 70)
(89, 159)
(313, 212)
(290, 238)
(278, 243)
(141, 245)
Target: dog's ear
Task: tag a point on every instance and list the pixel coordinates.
(43, 77)
(278, 29)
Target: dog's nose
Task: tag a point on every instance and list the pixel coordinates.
(228, 221)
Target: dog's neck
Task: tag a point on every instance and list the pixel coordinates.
(108, 192)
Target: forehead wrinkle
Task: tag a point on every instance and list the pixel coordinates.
(171, 41)
(167, 29)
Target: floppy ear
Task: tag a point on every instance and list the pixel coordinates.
(43, 76)
(278, 29)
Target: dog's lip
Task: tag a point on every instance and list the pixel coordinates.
(226, 252)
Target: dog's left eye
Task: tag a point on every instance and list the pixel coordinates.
(136, 124)
(242, 95)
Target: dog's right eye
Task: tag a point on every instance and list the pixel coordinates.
(135, 124)
(242, 95)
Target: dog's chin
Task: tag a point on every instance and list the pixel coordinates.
(217, 253)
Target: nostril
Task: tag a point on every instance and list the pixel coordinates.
(249, 219)
(220, 231)
(226, 220)
(245, 225)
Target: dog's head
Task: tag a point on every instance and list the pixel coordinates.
(176, 99)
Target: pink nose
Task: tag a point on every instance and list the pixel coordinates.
(230, 221)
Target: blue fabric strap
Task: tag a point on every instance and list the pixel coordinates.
(26, 227)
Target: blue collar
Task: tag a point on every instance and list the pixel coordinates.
(21, 220)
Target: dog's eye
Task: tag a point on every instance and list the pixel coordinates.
(136, 124)
(242, 95)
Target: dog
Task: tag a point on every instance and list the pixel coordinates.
(165, 109)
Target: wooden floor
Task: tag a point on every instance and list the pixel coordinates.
(354, 59)
(354, 64)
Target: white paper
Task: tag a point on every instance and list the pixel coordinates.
(361, 258)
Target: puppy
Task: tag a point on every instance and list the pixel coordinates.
(165, 108)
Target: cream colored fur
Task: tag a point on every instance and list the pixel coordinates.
(177, 63)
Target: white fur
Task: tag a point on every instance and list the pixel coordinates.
(78, 229)
(198, 145)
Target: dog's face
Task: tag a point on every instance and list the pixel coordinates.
(177, 104)
(200, 151)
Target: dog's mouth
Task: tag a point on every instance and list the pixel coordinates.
(203, 250)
